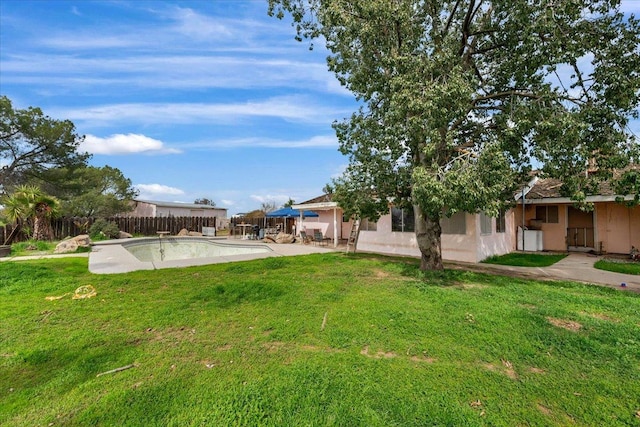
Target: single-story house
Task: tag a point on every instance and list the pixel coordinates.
(465, 237)
(152, 208)
(557, 225)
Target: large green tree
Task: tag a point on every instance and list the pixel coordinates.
(458, 97)
(93, 191)
(32, 143)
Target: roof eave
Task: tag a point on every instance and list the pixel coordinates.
(568, 200)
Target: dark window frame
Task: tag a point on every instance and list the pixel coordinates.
(548, 214)
(402, 220)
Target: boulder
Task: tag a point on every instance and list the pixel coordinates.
(72, 244)
(66, 246)
(124, 235)
(183, 232)
(285, 238)
(83, 240)
(195, 233)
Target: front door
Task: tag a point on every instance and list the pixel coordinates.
(580, 231)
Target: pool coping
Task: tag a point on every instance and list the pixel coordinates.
(110, 256)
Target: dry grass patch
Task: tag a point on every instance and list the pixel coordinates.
(569, 325)
(601, 316)
(506, 369)
(378, 355)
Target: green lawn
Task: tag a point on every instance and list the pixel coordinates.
(325, 339)
(37, 247)
(519, 259)
(619, 266)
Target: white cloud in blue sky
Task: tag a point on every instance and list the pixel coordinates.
(188, 99)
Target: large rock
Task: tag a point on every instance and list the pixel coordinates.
(124, 235)
(83, 240)
(66, 246)
(72, 244)
(183, 232)
(285, 238)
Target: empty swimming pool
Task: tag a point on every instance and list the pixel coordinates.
(176, 248)
(151, 253)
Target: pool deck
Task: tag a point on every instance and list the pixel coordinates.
(110, 257)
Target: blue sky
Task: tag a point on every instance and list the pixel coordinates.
(189, 99)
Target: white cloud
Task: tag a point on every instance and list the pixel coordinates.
(198, 26)
(226, 202)
(288, 108)
(183, 71)
(124, 144)
(152, 191)
(320, 141)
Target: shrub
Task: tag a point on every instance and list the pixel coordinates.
(102, 229)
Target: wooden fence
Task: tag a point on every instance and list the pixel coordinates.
(146, 226)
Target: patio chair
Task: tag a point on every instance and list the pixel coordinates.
(305, 239)
(318, 238)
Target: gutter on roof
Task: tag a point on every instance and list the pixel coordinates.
(567, 200)
(316, 206)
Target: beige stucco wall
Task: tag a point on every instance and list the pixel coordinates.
(144, 209)
(469, 247)
(327, 223)
(618, 227)
(385, 241)
(496, 243)
(554, 235)
(324, 223)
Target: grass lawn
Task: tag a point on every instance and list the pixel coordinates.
(324, 339)
(525, 259)
(37, 247)
(626, 267)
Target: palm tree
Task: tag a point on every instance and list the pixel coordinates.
(33, 210)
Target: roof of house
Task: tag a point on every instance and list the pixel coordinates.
(179, 205)
(320, 199)
(549, 188)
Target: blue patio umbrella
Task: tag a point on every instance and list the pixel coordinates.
(291, 213)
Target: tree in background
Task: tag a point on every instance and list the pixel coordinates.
(32, 143)
(460, 97)
(32, 210)
(204, 201)
(94, 192)
(267, 207)
(289, 203)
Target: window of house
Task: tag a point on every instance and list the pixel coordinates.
(345, 218)
(456, 224)
(368, 225)
(501, 225)
(485, 223)
(548, 214)
(402, 220)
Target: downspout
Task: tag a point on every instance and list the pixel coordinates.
(335, 227)
(523, 219)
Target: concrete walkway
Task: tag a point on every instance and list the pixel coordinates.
(576, 267)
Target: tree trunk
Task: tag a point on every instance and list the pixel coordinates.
(428, 236)
(42, 228)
